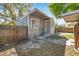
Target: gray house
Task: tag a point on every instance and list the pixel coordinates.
(37, 23)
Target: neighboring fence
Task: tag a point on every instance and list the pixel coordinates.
(12, 34)
(64, 30)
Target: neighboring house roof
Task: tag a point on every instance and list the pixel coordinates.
(37, 13)
(71, 13)
(72, 16)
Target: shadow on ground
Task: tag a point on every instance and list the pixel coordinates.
(49, 47)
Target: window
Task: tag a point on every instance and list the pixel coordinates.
(34, 23)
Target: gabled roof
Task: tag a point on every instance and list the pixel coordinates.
(72, 16)
(37, 13)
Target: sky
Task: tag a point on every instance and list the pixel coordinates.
(43, 7)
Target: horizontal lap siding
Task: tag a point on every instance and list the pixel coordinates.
(12, 34)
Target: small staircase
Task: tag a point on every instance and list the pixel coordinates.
(40, 39)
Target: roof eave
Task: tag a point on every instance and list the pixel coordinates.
(39, 12)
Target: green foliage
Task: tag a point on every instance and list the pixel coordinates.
(59, 8)
(7, 24)
(13, 10)
(68, 35)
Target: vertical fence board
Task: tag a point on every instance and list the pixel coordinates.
(11, 34)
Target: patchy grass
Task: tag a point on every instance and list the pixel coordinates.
(56, 36)
(46, 49)
(68, 35)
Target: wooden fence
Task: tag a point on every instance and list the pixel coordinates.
(64, 30)
(12, 34)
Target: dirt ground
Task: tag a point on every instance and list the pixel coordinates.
(44, 47)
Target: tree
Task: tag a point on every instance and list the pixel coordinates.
(11, 10)
(59, 8)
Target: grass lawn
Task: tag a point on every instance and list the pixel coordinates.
(68, 35)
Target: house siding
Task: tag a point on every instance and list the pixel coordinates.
(40, 26)
(35, 31)
(22, 21)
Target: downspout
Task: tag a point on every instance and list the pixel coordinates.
(28, 23)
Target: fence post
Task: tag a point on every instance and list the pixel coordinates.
(76, 35)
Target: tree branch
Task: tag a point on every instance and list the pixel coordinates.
(3, 15)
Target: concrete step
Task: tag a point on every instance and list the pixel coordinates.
(40, 41)
(43, 36)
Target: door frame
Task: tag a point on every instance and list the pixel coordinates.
(47, 23)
